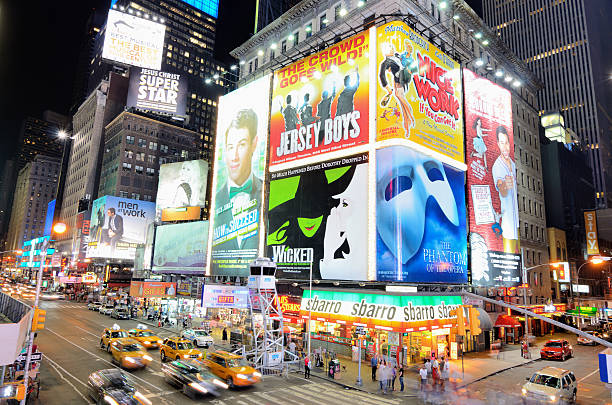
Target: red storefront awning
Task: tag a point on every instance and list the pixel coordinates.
(506, 321)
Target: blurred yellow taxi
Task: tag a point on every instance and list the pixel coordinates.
(231, 368)
(110, 335)
(128, 353)
(176, 348)
(145, 336)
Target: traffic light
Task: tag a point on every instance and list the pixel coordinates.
(38, 320)
(12, 391)
(458, 312)
(474, 322)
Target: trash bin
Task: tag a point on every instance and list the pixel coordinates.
(333, 368)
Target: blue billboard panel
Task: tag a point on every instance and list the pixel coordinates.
(210, 7)
(49, 218)
(118, 226)
(420, 218)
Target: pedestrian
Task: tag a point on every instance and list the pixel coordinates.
(224, 335)
(373, 363)
(423, 373)
(444, 374)
(307, 367)
(394, 376)
(380, 371)
(435, 372)
(292, 347)
(400, 373)
(428, 368)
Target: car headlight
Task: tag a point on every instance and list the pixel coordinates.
(552, 398)
(242, 376)
(220, 383)
(185, 356)
(110, 400)
(147, 357)
(257, 374)
(141, 398)
(147, 342)
(199, 354)
(198, 387)
(524, 391)
(130, 360)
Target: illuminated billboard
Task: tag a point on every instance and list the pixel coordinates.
(225, 296)
(418, 94)
(491, 180)
(320, 104)
(133, 40)
(210, 7)
(118, 226)
(152, 289)
(49, 217)
(240, 153)
(182, 184)
(157, 91)
(590, 224)
(319, 214)
(181, 248)
(420, 218)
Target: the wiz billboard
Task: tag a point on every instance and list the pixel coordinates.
(117, 226)
(240, 153)
(491, 179)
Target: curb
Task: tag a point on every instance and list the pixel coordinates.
(498, 372)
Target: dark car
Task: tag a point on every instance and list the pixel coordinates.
(193, 378)
(114, 384)
(556, 349)
(120, 313)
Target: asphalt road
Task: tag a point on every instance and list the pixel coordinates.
(70, 344)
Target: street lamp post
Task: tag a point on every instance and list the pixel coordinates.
(594, 260)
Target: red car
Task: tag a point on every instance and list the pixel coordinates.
(556, 349)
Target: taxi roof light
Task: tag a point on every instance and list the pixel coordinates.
(116, 327)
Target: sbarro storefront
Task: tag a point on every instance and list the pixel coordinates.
(406, 328)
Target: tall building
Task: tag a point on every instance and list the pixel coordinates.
(36, 186)
(570, 60)
(40, 136)
(269, 10)
(134, 148)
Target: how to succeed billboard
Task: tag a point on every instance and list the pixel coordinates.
(238, 187)
(133, 40)
(157, 91)
(117, 226)
(320, 103)
(319, 214)
(491, 180)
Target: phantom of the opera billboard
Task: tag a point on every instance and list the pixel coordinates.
(239, 167)
(320, 104)
(418, 94)
(117, 226)
(133, 40)
(491, 180)
(154, 90)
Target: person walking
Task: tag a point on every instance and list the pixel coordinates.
(373, 363)
(428, 367)
(435, 373)
(394, 376)
(224, 335)
(444, 373)
(400, 374)
(380, 375)
(423, 373)
(307, 367)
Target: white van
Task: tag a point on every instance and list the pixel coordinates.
(551, 385)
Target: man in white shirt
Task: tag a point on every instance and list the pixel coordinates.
(504, 178)
(423, 374)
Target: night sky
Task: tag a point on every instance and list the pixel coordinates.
(39, 47)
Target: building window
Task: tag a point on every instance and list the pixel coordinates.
(135, 196)
(123, 194)
(184, 154)
(150, 171)
(129, 154)
(323, 21)
(140, 156)
(139, 169)
(337, 11)
(130, 140)
(163, 148)
(308, 30)
(142, 143)
(256, 63)
(151, 159)
(127, 167)
(153, 145)
(284, 46)
(296, 38)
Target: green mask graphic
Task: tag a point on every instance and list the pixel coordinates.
(310, 226)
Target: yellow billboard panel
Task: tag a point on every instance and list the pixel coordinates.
(419, 95)
(590, 224)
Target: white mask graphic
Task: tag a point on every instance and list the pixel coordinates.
(405, 180)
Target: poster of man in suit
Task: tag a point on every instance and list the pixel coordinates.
(238, 174)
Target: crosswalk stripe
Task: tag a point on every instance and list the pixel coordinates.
(343, 395)
(266, 397)
(283, 395)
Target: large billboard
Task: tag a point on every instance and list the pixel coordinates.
(240, 154)
(320, 104)
(319, 214)
(225, 296)
(491, 179)
(158, 91)
(182, 184)
(49, 217)
(418, 95)
(420, 218)
(181, 248)
(117, 226)
(133, 40)
(590, 224)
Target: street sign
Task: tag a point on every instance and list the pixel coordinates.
(35, 357)
(359, 330)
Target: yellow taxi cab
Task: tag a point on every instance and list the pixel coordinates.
(231, 368)
(145, 336)
(176, 348)
(128, 353)
(110, 335)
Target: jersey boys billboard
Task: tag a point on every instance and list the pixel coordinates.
(491, 179)
(319, 214)
(240, 152)
(320, 103)
(419, 92)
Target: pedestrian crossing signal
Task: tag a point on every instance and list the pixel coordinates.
(38, 320)
(474, 322)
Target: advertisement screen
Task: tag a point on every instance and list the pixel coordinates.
(225, 296)
(320, 103)
(152, 289)
(491, 180)
(117, 226)
(419, 93)
(133, 40)
(319, 214)
(240, 154)
(182, 184)
(181, 248)
(49, 217)
(154, 90)
(420, 218)
(590, 224)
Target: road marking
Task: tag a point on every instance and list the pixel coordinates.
(104, 360)
(161, 394)
(588, 375)
(55, 366)
(282, 393)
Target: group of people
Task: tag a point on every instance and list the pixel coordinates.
(435, 372)
(386, 373)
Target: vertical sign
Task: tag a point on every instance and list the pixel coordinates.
(590, 224)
